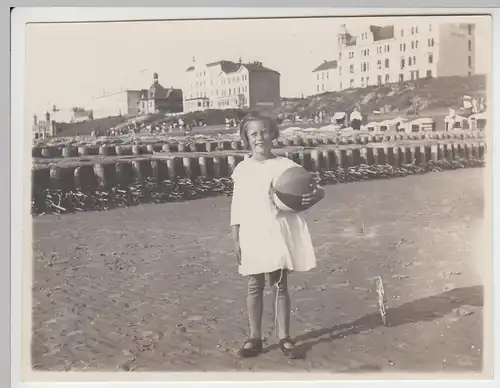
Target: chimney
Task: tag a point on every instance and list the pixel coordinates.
(47, 117)
(155, 78)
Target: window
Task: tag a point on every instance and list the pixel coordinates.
(340, 85)
(412, 75)
(351, 68)
(431, 58)
(351, 54)
(412, 45)
(412, 30)
(414, 60)
(416, 44)
(367, 81)
(402, 32)
(323, 87)
(362, 82)
(469, 74)
(340, 70)
(430, 27)
(470, 61)
(379, 79)
(401, 78)
(387, 63)
(379, 64)
(340, 56)
(429, 74)
(470, 45)
(327, 75)
(470, 29)
(387, 78)
(402, 63)
(416, 30)
(404, 46)
(317, 88)
(323, 75)
(317, 76)
(351, 83)
(409, 61)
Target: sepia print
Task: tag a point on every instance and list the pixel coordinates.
(260, 195)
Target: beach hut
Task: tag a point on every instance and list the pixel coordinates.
(382, 126)
(478, 121)
(423, 124)
(370, 127)
(340, 118)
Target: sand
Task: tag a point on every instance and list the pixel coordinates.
(155, 287)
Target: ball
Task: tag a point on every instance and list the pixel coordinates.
(290, 186)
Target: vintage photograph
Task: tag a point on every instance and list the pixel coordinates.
(300, 194)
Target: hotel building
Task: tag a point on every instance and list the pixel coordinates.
(230, 85)
(401, 52)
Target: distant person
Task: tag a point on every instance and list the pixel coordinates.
(268, 242)
(356, 120)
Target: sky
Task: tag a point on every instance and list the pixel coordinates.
(69, 64)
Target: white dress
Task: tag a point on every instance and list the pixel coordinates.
(270, 239)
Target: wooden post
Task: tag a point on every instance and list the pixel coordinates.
(339, 160)
(124, 173)
(68, 152)
(434, 152)
(396, 153)
(136, 149)
(217, 166)
(328, 159)
(83, 151)
(316, 160)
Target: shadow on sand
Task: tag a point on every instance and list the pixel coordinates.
(425, 309)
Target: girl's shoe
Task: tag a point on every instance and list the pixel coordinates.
(288, 351)
(252, 351)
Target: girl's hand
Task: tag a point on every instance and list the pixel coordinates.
(313, 198)
(237, 249)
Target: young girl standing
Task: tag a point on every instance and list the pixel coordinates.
(268, 242)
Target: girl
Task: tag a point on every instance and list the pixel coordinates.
(267, 241)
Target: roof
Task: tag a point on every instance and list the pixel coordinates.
(326, 65)
(382, 33)
(190, 68)
(232, 67)
(254, 67)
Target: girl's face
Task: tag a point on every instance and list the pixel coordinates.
(259, 137)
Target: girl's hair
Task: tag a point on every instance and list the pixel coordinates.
(268, 122)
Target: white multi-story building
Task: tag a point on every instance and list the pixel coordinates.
(230, 85)
(405, 51)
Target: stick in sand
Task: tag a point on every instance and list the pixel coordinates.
(381, 304)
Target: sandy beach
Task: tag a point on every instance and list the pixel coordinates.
(155, 287)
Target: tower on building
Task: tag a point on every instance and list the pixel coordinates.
(343, 37)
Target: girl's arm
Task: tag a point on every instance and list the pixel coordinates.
(236, 239)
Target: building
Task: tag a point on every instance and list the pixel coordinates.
(124, 103)
(406, 51)
(43, 129)
(80, 115)
(157, 99)
(230, 85)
